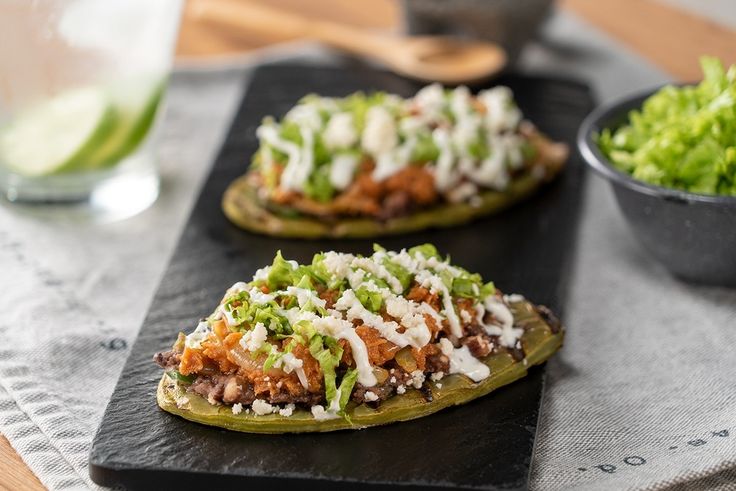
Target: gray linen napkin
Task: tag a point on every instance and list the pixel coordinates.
(647, 366)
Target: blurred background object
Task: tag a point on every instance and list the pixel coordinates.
(652, 28)
(201, 43)
(429, 58)
(81, 83)
(510, 23)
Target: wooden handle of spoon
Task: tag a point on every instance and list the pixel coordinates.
(269, 20)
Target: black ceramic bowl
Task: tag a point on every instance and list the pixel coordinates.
(693, 235)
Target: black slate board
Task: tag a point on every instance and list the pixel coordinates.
(486, 444)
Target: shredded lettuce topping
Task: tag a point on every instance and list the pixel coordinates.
(682, 137)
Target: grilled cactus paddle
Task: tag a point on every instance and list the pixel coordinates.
(540, 341)
(436, 371)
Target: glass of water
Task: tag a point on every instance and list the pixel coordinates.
(81, 85)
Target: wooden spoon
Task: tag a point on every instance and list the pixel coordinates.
(427, 58)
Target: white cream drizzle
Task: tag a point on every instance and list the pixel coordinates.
(267, 133)
(297, 171)
(507, 333)
(353, 309)
(304, 296)
(462, 361)
(195, 338)
(342, 170)
(290, 363)
(341, 329)
(436, 286)
(392, 161)
(335, 326)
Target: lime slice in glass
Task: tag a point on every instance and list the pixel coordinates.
(135, 103)
(57, 135)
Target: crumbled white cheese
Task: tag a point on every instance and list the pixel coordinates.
(370, 396)
(400, 389)
(460, 102)
(492, 171)
(261, 407)
(253, 340)
(288, 362)
(287, 411)
(181, 402)
(431, 101)
(501, 113)
(337, 264)
(237, 408)
(340, 131)
(411, 316)
(373, 265)
(438, 385)
(417, 379)
(396, 308)
(380, 135)
(437, 376)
